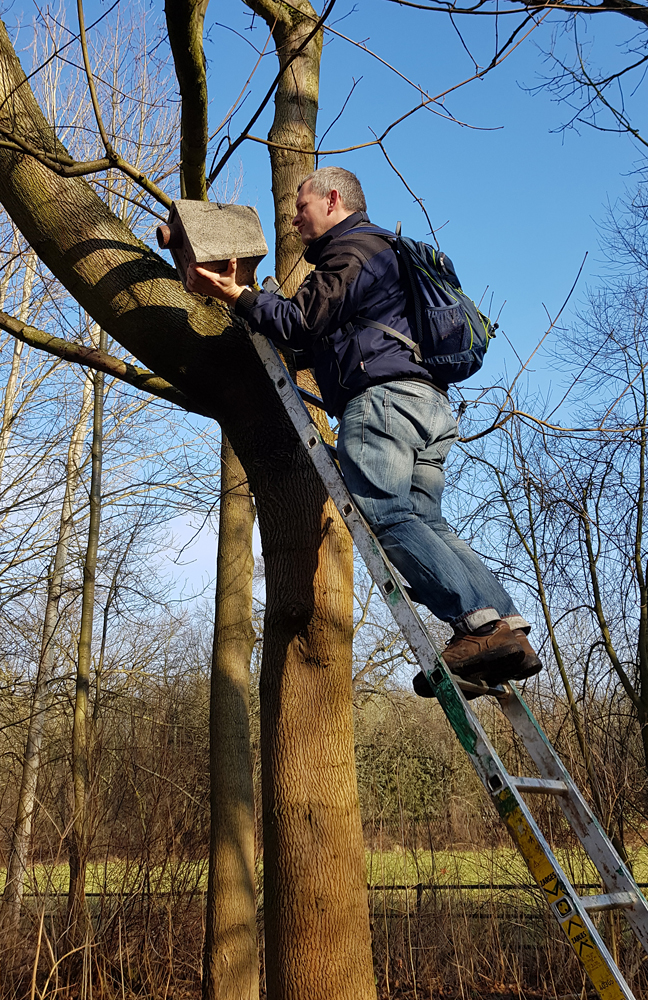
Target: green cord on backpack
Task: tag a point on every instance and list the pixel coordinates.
(452, 333)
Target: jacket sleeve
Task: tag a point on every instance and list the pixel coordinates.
(329, 297)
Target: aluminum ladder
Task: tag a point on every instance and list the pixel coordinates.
(507, 792)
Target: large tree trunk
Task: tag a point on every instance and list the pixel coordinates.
(231, 965)
(314, 861)
(316, 903)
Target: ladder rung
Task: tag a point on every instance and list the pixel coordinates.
(544, 786)
(608, 901)
(470, 688)
(311, 398)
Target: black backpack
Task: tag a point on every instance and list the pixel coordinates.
(452, 335)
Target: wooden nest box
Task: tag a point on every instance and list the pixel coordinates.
(209, 234)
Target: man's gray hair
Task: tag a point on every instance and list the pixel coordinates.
(338, 179)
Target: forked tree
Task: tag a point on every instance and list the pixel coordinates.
(316, 914)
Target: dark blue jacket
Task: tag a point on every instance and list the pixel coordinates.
(356, 274)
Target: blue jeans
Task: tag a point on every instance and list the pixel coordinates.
(392, 445)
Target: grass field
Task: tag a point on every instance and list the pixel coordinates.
(384, 868)
(490, 943)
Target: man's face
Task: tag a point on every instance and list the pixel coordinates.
(315, 215)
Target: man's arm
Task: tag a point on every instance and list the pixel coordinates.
(277, 317)
(328, 298)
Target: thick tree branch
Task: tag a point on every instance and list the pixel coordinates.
(65, 166)
(99, 360)
(184, 20)
(284, 66)
(131, 291)
(634, 11)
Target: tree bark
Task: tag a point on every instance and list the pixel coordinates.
(231, 963)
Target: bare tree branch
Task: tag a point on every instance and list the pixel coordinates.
(91, 84)
(635, 11)
(99, 360)
(237, 142)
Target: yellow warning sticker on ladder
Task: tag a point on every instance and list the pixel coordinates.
(604, 977)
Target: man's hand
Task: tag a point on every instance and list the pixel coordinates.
(219, 284)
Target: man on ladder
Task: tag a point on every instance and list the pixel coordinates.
(396, 425)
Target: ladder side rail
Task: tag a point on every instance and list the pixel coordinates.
(615, 875)
(567, 905)
(367, 544)
(584, 822)
(510, 804)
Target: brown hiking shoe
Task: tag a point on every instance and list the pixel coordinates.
(501, 655)
(475, 656)
(531, 664)
(527, 666)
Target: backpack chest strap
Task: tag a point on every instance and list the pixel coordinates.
(361, 321)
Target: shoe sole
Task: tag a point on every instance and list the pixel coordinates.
(523, 672)
(423, 690)
(487, 666)
(489, 678)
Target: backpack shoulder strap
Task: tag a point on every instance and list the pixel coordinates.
(371, 230)
(392, 239)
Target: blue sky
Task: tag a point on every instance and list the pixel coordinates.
(520, 197)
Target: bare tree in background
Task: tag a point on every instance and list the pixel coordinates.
(22, 827)
(231, 959)
(566, 506)
(79, 836)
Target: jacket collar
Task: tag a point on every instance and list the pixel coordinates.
(315, 248)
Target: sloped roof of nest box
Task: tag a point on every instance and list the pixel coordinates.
(218, 232)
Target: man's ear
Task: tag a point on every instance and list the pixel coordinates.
(333, 200)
